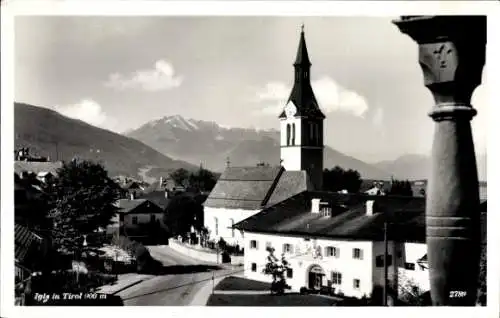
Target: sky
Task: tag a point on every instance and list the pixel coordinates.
(121, 72)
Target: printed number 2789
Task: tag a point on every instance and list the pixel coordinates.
(457, 294)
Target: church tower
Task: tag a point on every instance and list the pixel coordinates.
(301, 123)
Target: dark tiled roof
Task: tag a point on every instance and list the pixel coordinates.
(127, 205)
(258, 173)
(37, 167)
(244, 187)
(24, 242)
(290, 184)
(348, 220)
(157, 197)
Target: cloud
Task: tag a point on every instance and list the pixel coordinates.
(161, 77)
(88, 111)
(330, 95)
(378, 117)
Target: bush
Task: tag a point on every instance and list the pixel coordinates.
(139, 252)
(304, 291)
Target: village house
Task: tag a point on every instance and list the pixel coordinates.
(337, 240)
(241, 192)
(133, 213)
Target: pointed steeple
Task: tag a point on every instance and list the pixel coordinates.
(302, 55)
(302, 95)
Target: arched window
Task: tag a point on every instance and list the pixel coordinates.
(288, 134)
(293, 134)
(216, 221)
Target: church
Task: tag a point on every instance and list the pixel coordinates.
(242, 192)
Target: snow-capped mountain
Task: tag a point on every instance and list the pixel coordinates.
(207, 143)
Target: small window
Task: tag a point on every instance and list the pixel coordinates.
(288, 134)
(410, 266)
(356, 283)
(293, 134)
(135, 220)
(289, 273)
(254, 267)
(287, 248)
(332, 251)
(336, 278)
(357, 253)
(253, 244)
(379, 260)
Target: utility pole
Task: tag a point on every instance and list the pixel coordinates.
(385, 264)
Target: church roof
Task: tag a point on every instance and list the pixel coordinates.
(302, 95)
(290, 184)
(244, 187)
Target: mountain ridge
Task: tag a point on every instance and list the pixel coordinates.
(51, 134)
(211, 145)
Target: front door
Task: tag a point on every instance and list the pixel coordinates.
(315, 280)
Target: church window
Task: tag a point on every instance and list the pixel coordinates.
(293, 134)
(216, 226)
(288, 134)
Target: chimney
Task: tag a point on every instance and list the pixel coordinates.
(369, 207)
(315, 205)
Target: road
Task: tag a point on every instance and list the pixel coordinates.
(183, 278)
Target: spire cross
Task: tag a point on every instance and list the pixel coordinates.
(302, 28)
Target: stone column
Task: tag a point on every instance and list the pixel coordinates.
(452, 56)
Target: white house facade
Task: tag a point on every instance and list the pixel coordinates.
(334, 240)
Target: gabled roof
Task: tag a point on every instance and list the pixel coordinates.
(290, 183)
(157, 197)
(37, 167)
(244, 187)
(348, 220)
(128, 206)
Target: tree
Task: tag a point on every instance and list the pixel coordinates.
(181, 177)
(82, 200)
(338, 179)
(402, 188)
(277, 268)
(183, 211)
(203, 180)
(410, 293)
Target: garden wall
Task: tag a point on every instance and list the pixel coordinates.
(202, 255)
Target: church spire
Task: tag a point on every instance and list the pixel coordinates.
(302, 55)
(302, 95)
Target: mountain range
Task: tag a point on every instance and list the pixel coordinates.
(207, 143)
(50, 134)
(173, 142)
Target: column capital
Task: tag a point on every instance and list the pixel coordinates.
(451, 54)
